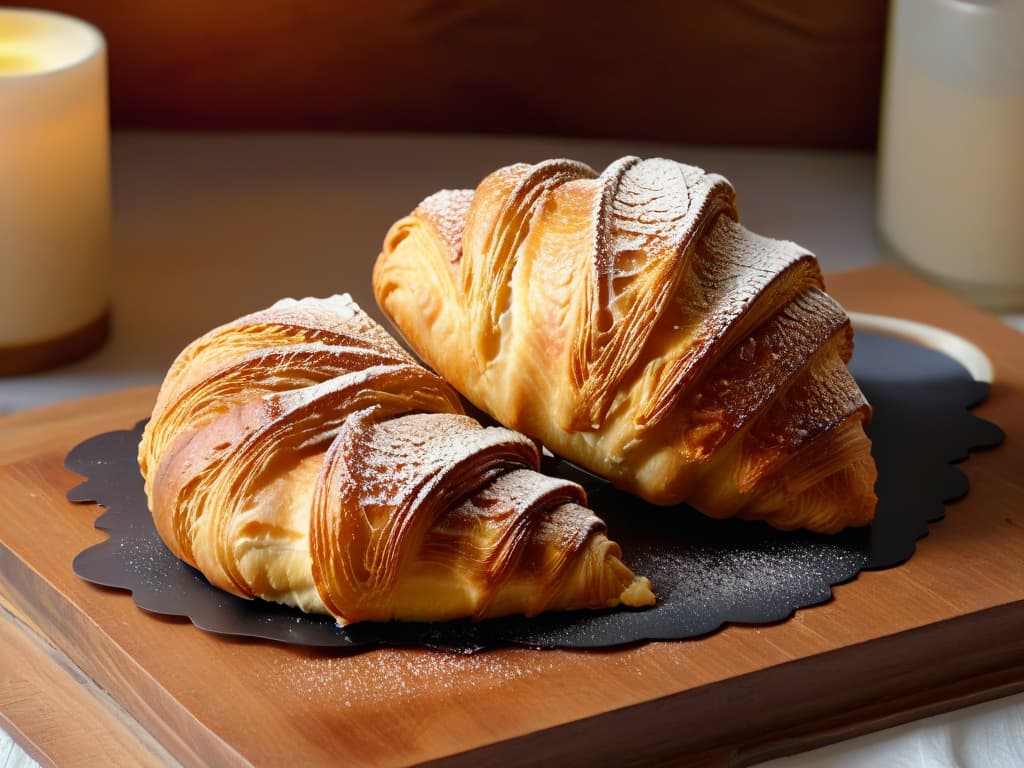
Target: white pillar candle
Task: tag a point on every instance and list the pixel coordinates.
(54, 185)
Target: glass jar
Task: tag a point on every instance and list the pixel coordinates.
(951, 146)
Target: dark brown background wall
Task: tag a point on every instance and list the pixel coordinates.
(767, 72)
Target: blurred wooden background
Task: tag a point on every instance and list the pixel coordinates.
(759, 72)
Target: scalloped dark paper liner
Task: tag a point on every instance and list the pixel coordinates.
(706, 573)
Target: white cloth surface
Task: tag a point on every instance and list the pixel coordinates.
(12, 755)
(988, 735)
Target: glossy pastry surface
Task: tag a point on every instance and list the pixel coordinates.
(628, 321)
(300, 455)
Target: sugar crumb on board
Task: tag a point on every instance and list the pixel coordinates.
(390, 677)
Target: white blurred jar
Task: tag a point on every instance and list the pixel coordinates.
(55, 214)
(951, 146)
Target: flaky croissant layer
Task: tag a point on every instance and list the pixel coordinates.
(299, 455)
(629, 322)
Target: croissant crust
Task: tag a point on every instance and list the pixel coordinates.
(299, 455)
(632, 324)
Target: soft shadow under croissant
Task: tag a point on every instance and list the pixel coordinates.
(300, 455)
(629, 322)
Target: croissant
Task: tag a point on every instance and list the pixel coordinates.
(631, 324)
(300, 455)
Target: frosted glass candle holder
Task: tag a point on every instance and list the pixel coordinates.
(55, 216)
(951, 146)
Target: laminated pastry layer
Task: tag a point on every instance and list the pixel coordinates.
(629, 322)
(299, 455)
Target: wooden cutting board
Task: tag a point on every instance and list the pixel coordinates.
(943, 630)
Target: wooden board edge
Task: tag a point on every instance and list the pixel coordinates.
(878, 716)
(24, 741)
(729, 724)
(58, 715)
(26, 595)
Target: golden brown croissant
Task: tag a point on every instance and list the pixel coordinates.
(630, 323)
(300, 455)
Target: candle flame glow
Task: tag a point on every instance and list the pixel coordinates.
(14, 62)
(41, 42)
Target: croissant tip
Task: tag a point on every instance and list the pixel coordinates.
(639, 593)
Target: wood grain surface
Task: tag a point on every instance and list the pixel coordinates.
(945, 629)
(44, 695)
(767, 72)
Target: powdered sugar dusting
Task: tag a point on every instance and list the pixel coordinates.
(523, 488)
(390, 677)
(446, 211)
(648, 217)
(342, 305)
(397, 455)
